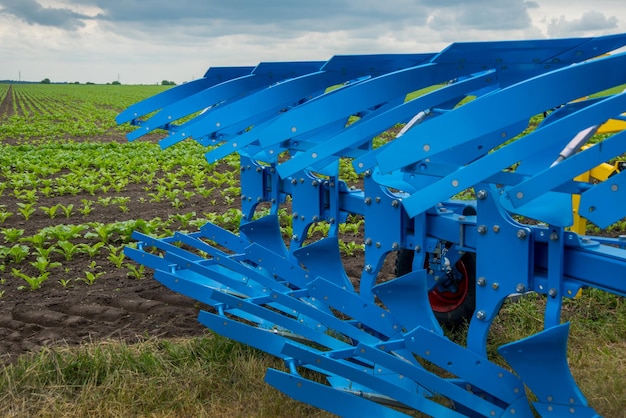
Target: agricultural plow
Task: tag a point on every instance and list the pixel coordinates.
(379, 344)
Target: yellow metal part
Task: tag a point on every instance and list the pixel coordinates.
(599, 173)
(612, 125)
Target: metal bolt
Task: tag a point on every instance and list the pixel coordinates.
(395, 246)
(418, 248)
(554, 236)
(378, 244)
(395, 203)
(553, 293)
(295, 215)
(368, 173)
(377, 199)
(495, 286)
(482, 229)
(481, 194)
(315, 218)
(368, 241)
(368, 200)
(521, 234)
(315, 183)
(368, 268)
(481, 282)
(259, 169)
(481, 315)
(496, 228)
(243, 197)
(294, 237)
(520, 288)
(294, 181)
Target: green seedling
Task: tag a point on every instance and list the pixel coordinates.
(34, 282)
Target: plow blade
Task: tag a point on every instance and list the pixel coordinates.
(510, 123)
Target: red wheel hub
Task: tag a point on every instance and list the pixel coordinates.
(443, 300)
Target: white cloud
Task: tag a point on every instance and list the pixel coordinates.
(148, 41)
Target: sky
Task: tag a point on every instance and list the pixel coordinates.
(147, 41)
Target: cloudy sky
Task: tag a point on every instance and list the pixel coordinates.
(146, 41)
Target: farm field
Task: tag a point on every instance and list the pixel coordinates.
(72, 190)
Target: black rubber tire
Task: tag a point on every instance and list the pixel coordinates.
(461, 314)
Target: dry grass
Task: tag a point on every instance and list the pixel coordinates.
(213, 376)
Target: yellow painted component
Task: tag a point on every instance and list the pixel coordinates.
(580, 224)
(601, 173)
(612, 125)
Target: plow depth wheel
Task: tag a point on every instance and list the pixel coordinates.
(453, 305)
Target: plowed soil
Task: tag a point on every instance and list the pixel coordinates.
(117, 305)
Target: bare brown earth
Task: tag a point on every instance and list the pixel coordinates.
(116, 306)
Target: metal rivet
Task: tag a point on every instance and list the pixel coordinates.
(614, 187)
(455, 183)
(293, 129)
(519, 195)
(314, 155)
(426, 147)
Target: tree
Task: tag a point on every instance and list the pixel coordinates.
(167, 83)
(45, 81)
(115, 83)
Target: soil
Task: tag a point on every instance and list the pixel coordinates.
(117, 306)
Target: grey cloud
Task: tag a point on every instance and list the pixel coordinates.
(483, 15)
(31, 12)
(591, 21)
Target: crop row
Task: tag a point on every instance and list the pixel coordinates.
(55, 111)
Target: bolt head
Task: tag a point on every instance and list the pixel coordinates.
(481, 194)
(482, 229)
(521, 234)
(481, 281)
(481, 315)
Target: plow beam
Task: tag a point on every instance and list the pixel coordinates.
(501, 122)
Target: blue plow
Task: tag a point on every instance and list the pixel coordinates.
(380, 344)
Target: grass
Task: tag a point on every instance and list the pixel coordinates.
(214, 376)
(196, 377)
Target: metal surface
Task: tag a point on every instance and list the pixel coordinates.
(381, 346)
